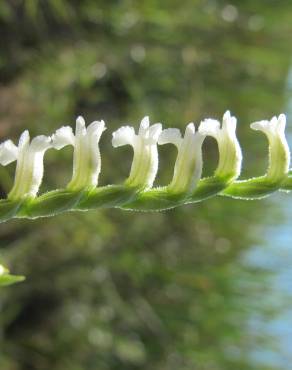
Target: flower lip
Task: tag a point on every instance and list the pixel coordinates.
(62, 137)
(123, 136)
(209, 127)
(170, 136)
(40, 143)
(8, 152)
(275, 125)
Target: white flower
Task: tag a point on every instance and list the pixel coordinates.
(279, 153)
(3, 270)
(145, 161)
(230, 156)
(29, 168)
(86, 158)
(188, 165)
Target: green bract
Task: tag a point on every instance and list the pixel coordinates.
(7, 279)
(137, 192)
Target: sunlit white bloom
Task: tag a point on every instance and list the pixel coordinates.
(3, 270)
(279, 154)
(230, 156)
(29, 168)
(86, 158)
(145, 162)
(188, 165)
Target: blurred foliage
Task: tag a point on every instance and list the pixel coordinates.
(121, 290)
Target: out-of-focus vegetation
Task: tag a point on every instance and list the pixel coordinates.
(118, 290)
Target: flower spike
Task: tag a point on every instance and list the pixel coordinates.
(137, 192)
(145, 162)
(230, 156)
(86, 158)
(279, 153)
(188, 165)
(29, 168)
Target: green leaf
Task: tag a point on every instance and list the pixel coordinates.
(8, 279)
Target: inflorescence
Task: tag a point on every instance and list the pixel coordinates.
(137, 192)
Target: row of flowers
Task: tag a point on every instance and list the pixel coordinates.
(29, 154)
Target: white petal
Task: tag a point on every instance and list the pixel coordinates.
(275, 125)
(209, 127)
(170, 136)
(8, 152)
(260, 125)
(226, 116)
(123, 136)
(153, 133)
(23, 140)
(190, 129)
(281, 123)
(96, 128)
(80, 126)
(144, 126)
(2, 270)
(41, 143)
(62, 137)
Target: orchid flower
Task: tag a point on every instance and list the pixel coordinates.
(189, 163)
(29, 168)
(145, 162)
(279, 153)
(86, 158)
(230, 156)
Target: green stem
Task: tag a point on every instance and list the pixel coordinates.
(133, 198)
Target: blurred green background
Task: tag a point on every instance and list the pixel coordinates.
(203, 287)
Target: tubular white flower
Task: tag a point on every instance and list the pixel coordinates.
(29, 168)
(145, 161)
(230, 155)
(188, 165)
(279, 153)
(86, 157)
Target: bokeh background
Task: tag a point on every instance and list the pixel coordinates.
(205, 286)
